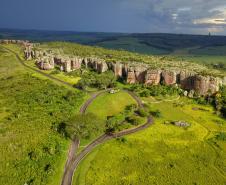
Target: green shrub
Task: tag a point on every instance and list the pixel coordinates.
(221, 136)
(156, 113)
(134, 120)
(142, 112)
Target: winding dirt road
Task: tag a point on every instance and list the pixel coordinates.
(72, 163)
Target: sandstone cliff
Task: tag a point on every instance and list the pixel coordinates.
(132, 72)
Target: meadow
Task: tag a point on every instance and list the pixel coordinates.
(110, 104)
(32, 151)
(164, 153)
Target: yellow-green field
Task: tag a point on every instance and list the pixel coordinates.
(110, 104)
(163, 154)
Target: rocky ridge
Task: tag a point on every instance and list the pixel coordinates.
(131, 72)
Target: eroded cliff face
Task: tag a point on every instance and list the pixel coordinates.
(153, 77)
(131, 72)
(169, 77)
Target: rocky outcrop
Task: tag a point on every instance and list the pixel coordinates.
(206, 85)
(136, 74)
(117, 68)
(169, 77)
(132, 72)
(131, 77)
(186, 80)
(153, 77)
(76, 63)
(46, 63)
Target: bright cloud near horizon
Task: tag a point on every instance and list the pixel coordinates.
(165, 16)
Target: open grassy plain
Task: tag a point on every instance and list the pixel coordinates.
(164, 153)
(110, 104)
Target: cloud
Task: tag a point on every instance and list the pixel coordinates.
(185, 16)
(172, 16)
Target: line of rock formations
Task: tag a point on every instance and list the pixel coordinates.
(131, 72)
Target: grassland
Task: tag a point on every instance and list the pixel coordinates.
(163, 154)
(131, 44)
(110, 104)
(32, 151)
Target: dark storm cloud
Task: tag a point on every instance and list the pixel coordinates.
(180, 16)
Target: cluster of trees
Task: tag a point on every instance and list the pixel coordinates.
(219, 101)
(81, 126)
(115, 123)
(155, 90)
(95, 80)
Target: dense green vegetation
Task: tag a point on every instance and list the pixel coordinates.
(220, 101)
(155, 90)
(163, 153)
(124, 120)
(83, 126)
(91, 79)
(32, 151)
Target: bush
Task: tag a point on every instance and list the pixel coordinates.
(156, 113)
(145, 93)
(221, 136)
(142, 112)
(134, 120)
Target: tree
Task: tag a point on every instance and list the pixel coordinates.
(83, 126)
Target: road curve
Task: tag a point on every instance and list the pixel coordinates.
(105, 137)
(74, 160)
(68, 178)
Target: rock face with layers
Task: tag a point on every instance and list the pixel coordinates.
(206, 85)
(117, 68)
(140, 72)
(131, 72)
(131, 77)
(46, 63)
(76, 63)
(186, 80)
(153, 77)
(169, 77)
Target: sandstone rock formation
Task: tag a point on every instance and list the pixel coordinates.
(153, 77)
(169, 77)
(46, 63)
(130, 71)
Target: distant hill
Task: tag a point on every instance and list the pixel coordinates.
(145, 43)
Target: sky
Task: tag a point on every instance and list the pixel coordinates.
(129, 16)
